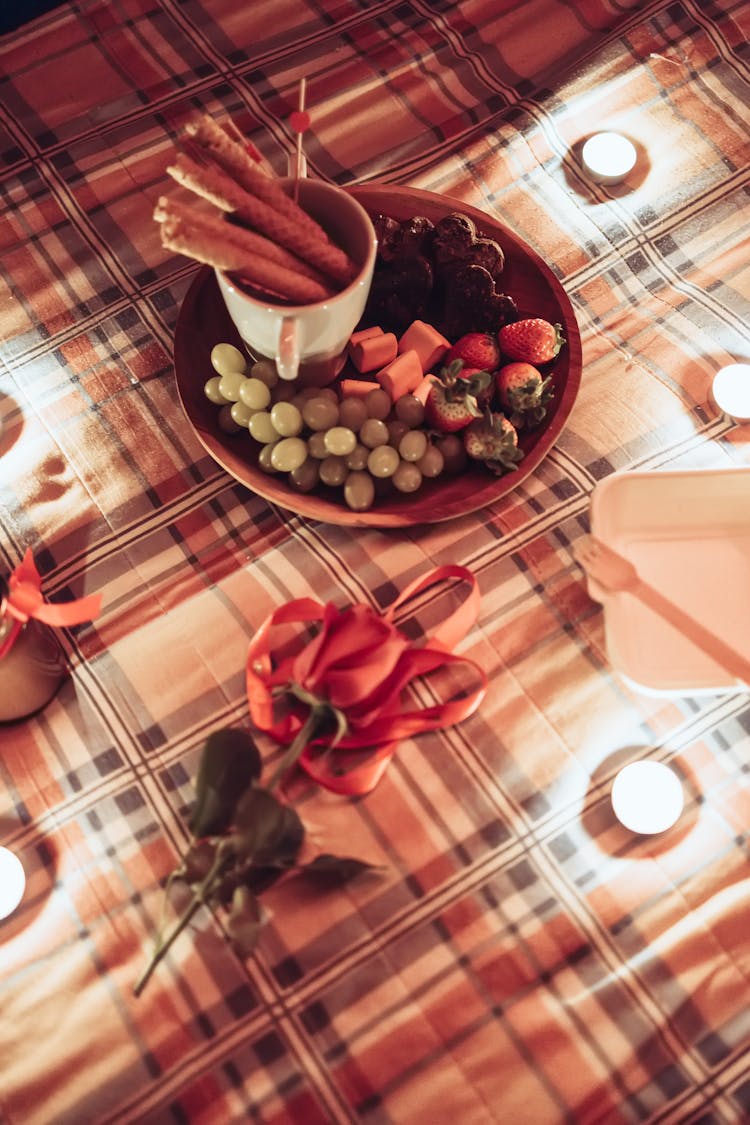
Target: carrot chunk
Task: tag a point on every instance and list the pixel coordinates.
(364, 334)
(422, 390)
(402, 375)
(426, 341)
(359, 387)
(374, 352)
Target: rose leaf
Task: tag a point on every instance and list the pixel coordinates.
(334, 870)
(229, 763)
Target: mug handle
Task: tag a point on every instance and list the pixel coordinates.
(287, 351)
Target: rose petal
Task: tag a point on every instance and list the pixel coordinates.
(357, 638)
(361, 678)
(306, 660)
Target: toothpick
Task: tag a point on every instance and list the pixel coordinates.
(299, 121)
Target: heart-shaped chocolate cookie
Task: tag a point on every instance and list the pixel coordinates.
(456, 242)
(387, 231)
(469, 302)
(406, 239)
(400, 293)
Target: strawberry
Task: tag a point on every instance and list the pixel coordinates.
(531, 341)
(523, 393)
(452, 402)
(493, 439)
(476, 349)
(481, 383)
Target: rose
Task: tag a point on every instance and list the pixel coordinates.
(342, 690)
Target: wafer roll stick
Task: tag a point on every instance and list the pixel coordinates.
(232, 157)
(252, 241)
(314, 247)
(212, 183)
(247, 146)
(224, 247)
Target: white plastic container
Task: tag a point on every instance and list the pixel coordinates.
(688, 534)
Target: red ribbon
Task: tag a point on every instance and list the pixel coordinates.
(360, 662)
(25, 600)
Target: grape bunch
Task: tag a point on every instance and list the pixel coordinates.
(361, 444)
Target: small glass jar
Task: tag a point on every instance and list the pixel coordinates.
(32, 668)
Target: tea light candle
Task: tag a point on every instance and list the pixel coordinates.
(647, 797)
(12, 882)
(731, 391)
(608, 157)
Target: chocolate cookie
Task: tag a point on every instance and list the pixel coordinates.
(416, 237)
(442, 272)
(456, 242)
(387, 232)
(469, 302)
(401, 240)
(400, 293)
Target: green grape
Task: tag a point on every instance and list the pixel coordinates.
(374, 432)
(340, 441)
(352, 413)
(262, 428)
(225, 358)
(327, 392)
(409, 409)
(287, 419)
(413, 445)
(320, 413)
(288, 454)
(255, 394)
(305, 476)
(383, 461)
(454, 454)
(357, 459)
(432, 462)
(407, 477)
(212, 392)
(265, 370)
(316, 445)
(284, 391)
(378, 403)
(396, 430)
(300, 398)
(333, 470)
(226, 421)
(241, 414)
(265, 462)
(359, 491)
(230, 384)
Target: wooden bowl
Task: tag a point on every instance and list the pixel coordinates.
(203, 322)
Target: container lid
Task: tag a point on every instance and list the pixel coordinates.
(688, 534)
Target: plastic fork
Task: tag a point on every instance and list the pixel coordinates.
(616, 575)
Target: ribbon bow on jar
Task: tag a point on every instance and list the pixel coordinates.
(343, 689)
(24, 601)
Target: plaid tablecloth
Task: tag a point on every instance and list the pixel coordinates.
(521, 958)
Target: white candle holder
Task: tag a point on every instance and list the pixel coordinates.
(647, 797)
(608, 157)
(12, 882)
(731, 391)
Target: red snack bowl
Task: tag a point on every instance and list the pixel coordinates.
(203, 322)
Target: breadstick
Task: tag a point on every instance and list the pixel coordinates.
(213, 184)
(209, 241)
(232, 157)
(251, 241)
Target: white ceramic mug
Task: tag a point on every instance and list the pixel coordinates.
(308, 342)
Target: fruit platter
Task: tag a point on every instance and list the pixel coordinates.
(493, 339)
